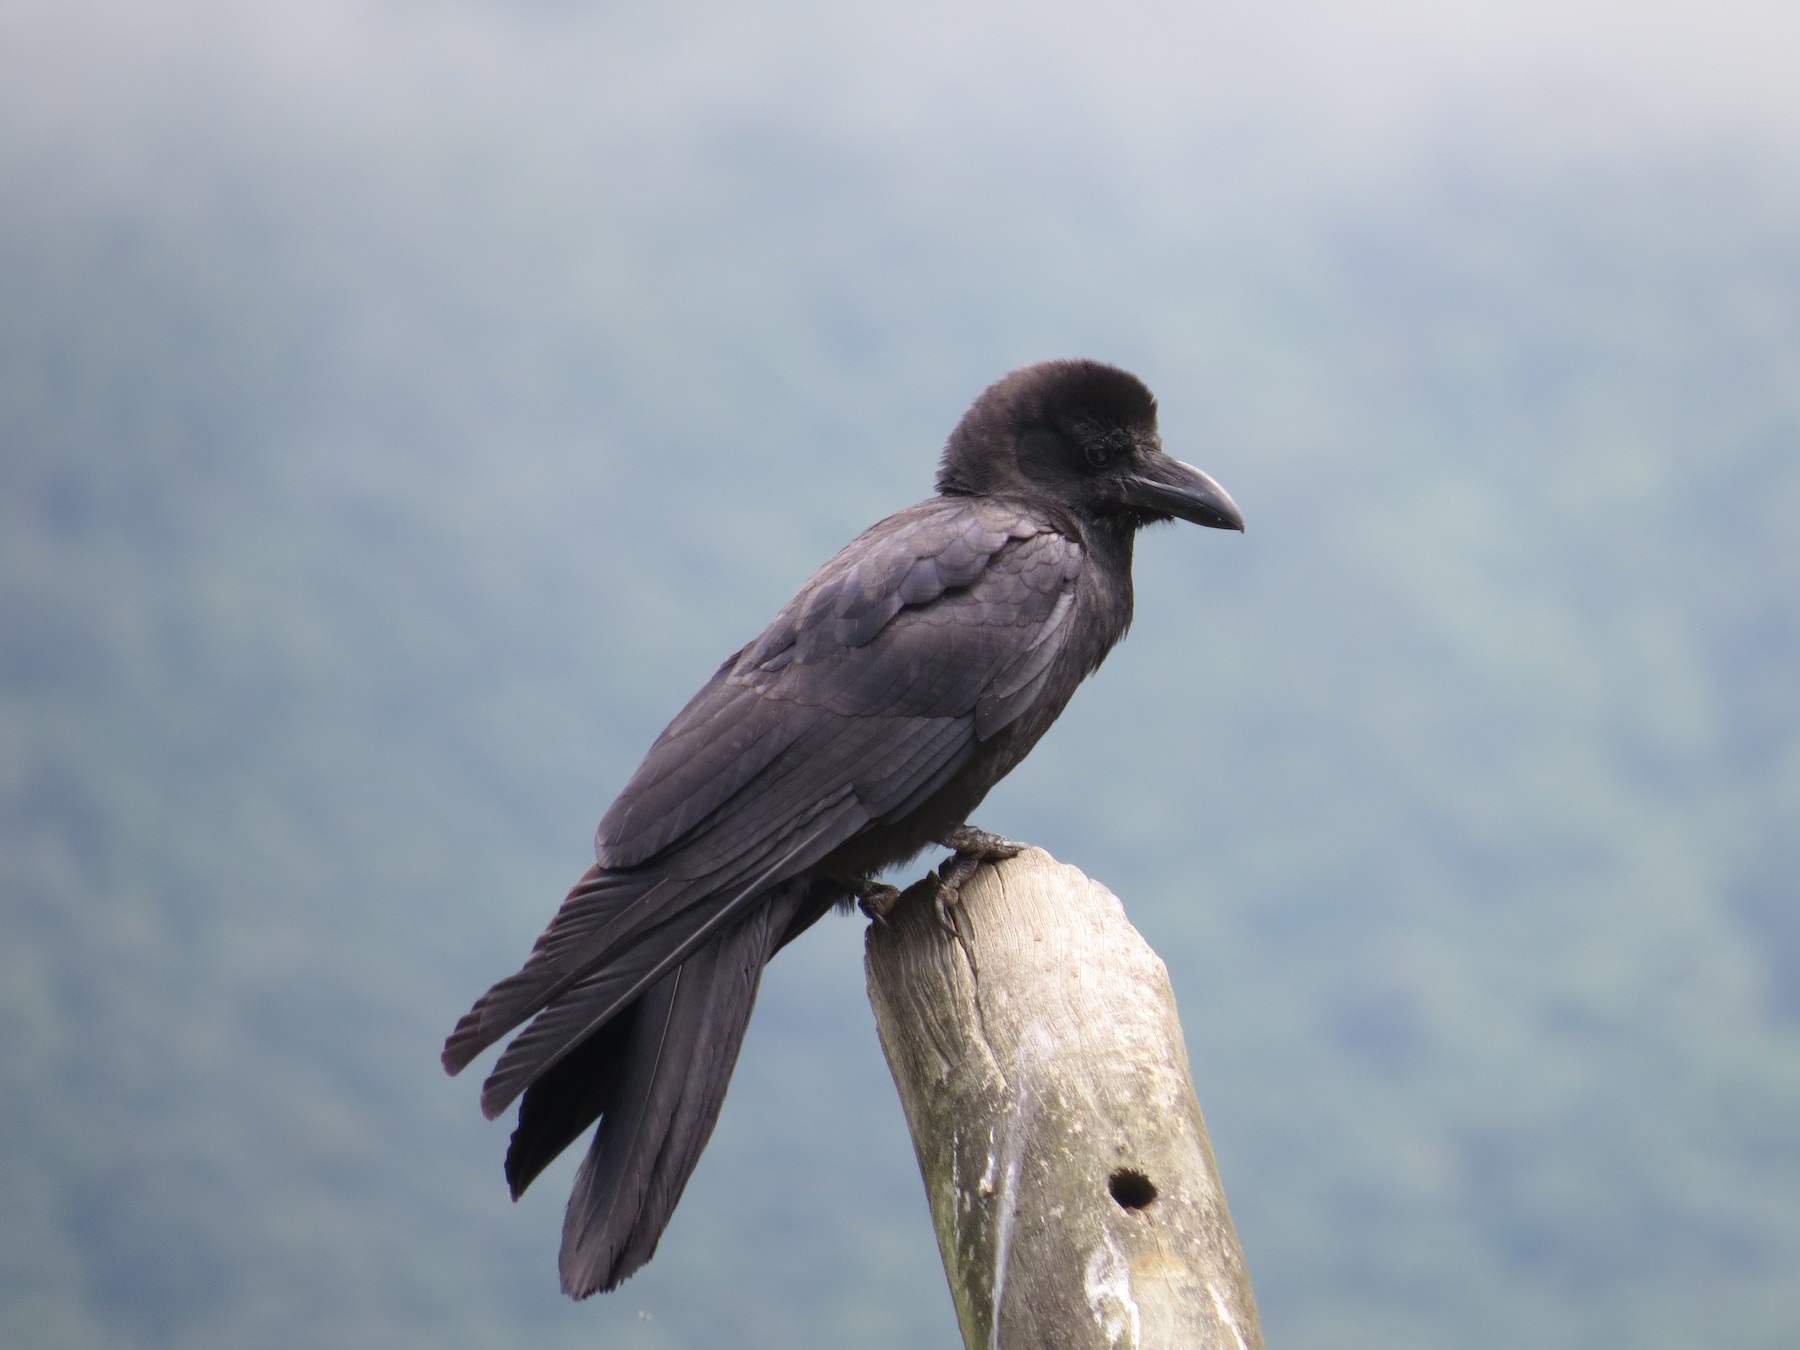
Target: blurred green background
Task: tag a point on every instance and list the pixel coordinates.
(378, 378)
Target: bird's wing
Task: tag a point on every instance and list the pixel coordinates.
(930, 632)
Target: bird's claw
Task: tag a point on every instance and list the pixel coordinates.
(940, 904)
(877, 900)
(971, 848)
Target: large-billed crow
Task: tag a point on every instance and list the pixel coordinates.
(907, 677)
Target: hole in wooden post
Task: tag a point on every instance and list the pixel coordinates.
(1131, 1189)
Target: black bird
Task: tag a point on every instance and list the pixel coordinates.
(907, 677)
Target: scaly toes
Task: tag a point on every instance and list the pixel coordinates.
(877, 899)
(984, 846)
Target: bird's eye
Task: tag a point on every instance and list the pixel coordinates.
(1099, 454)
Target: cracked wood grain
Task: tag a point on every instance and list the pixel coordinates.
(1045, 1081)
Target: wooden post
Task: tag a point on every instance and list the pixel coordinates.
(1045, 1081)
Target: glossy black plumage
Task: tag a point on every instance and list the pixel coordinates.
(909, 674)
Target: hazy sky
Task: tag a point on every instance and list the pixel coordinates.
(1327, 79)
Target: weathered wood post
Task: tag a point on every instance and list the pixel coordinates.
(1045, 1081)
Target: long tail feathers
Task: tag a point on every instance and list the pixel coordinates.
(638, 995)
(681, 1044)
(571, 1096)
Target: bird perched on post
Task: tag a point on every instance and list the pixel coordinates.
(907, 677)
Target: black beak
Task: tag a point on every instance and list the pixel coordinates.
(1167, 487)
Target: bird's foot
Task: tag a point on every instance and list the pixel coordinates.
(984, 846)
(970, 848)
(877, 899)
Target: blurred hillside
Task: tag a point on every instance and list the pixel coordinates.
(376, 382)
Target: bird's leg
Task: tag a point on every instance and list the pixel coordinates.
(970, 848)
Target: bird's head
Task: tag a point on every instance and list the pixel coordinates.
(1084, 435)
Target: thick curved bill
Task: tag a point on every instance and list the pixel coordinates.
(1170, 488)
